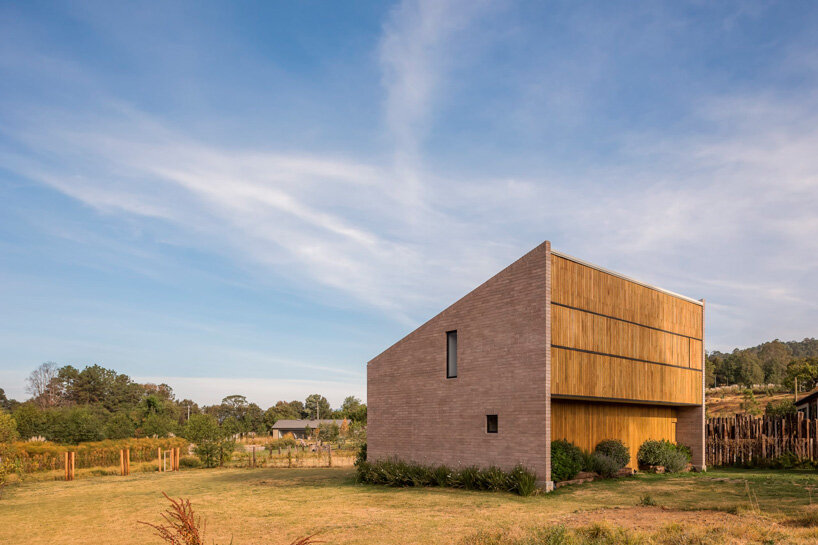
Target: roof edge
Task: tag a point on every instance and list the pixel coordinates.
(623, 277)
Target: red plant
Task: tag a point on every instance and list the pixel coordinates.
(182, 527)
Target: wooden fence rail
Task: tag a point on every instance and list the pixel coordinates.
(743, 439)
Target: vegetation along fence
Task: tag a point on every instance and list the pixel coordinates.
(35, 457)
(744, 439)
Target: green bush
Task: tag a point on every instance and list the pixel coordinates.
(604, 465)
(397, 473)
(615, 450)
(672, 457)
(566, 460)
(189, 462)
(360, 458)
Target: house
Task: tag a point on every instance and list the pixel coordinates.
(550, 348)
(298, 428)
(808, 404)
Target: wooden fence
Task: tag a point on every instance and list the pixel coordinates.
(743, 439)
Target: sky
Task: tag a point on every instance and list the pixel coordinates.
(258, 198)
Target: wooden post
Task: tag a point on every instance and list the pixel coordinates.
(122, 461)
(159, 455)
(329, 455)
(254, 456)
(73, 464)
(66, 466)
(178, 455)
(127, 461)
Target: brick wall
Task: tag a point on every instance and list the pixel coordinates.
(416, 414)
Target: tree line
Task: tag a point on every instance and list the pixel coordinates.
(69, 405)
(775, 362)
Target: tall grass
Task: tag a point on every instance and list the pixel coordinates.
(46, 456)
(398, 473)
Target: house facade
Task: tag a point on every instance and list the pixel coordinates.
(549, 348)
(299, 428)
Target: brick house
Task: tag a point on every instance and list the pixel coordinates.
(549, 348)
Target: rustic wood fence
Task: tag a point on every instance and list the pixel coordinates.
(744, 439)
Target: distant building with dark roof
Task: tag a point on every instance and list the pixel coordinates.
(298, 427)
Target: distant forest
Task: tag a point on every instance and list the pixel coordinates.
(69, 405)
(775, 362)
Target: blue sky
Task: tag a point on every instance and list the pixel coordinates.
(259, 198)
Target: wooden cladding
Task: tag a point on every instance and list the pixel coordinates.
(577, 329)
(579, 374)
(580, 286)
(586, 424)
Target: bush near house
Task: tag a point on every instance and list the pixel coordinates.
(397, 473)
(567, 460)
(672, 457)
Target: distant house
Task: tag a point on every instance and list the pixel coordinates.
(550, 348)
(298, 427)
(808, 404)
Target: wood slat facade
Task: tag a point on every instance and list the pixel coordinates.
(586, 424)
(624, 357)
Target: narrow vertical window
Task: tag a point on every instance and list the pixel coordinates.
(491, 423)
(451, 354)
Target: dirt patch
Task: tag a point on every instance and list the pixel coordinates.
(651, 518)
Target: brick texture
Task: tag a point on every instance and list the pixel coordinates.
(416, 414)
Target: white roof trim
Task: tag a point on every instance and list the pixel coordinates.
(623, 277)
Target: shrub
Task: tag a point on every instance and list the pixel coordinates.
(782, 408)
(190, 462)
(397, 473)
(676, 461)
(615, 450)
(522, 481)
(8, 428)
(360, 458)
(566, 460)
(605, 465)
(673, 457)
(213, 447)
(647, 501)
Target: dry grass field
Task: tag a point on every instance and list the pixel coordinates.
(274, 506)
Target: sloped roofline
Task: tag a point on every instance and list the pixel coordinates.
(623, 277)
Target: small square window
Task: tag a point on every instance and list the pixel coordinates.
(491, 423)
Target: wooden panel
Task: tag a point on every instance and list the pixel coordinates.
(586, 424)
(580, 286)
(578, 329)
(582, 374)
(696, 355)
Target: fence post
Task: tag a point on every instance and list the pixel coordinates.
(329, 455)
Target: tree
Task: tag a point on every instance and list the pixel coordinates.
(158, 425)
(73, 425)
(283, 410)
(120, 426)
(8, 428)
(774, 357)
(31, 420)
(212, 445)
(750, 404)
(40, 385)
(328, 432)
(805, 370)
(317, 407)
(353, 409)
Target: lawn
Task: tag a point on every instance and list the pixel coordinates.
(274, 506)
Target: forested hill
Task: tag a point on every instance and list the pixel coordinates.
(773, 362)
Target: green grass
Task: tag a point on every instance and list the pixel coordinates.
(276, 505)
